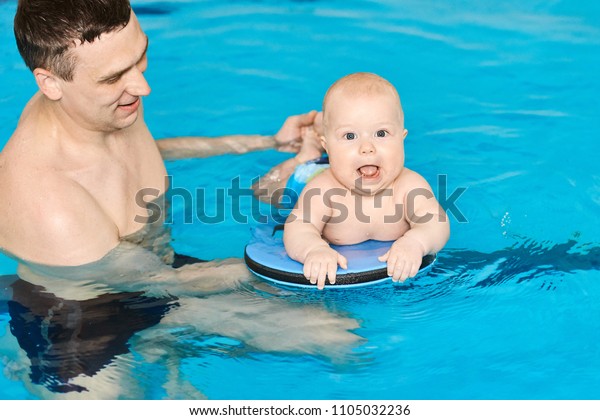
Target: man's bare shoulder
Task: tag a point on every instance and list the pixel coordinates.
(48, 218)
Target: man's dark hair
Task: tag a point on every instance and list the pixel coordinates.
(45, 30)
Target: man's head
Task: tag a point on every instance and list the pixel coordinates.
(364, 132)
(87, 57)
(47, 30)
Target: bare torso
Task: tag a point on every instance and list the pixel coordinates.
(380, 217)
(68, 202)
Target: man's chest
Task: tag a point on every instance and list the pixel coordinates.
(122, 185)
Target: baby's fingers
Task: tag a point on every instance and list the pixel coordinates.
(331, 272)
(342, 261)
(384, 257)
(392, 262)
(332, 268)
(411, 269)
(324, 268)
(414, 270)
(406, 271)
(311, 271)
(396, 269)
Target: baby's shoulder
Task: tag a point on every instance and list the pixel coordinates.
(324, 180)
(410, 180)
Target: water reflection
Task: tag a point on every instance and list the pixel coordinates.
(526, 260)
(65, 338)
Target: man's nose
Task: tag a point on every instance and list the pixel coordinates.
(138, 86)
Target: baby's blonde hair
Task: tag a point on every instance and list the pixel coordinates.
(357, 84)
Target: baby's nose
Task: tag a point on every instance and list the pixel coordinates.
(366, 147)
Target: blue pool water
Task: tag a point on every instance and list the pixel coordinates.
(502, 97)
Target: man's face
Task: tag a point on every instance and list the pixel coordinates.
(364, 137)
(108, 81)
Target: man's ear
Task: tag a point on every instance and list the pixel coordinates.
(48, 84)
(404, 134)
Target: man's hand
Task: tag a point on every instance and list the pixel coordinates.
(289, 136)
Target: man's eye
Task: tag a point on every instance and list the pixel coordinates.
(349, 136)
(112, 80)
(381, 133)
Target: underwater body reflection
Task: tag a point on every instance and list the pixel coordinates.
(84, 338)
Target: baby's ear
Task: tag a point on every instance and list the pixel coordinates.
(48, 84)
(323, 142)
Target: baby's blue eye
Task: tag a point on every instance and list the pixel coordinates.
(349, 136)
(381, 133)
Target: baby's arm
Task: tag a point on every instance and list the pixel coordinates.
(429, 230)
(302, 236)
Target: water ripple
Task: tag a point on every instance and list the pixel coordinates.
(525, 261)
(489, 130)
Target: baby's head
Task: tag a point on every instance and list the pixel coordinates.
(363, 126)
(357, 85)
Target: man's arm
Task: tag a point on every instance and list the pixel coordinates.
(287, 139)
(129, 268)
(197, 147)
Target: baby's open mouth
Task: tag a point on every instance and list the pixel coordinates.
(369, 171)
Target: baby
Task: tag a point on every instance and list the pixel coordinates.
(366, 193)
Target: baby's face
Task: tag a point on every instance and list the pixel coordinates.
(364, 137)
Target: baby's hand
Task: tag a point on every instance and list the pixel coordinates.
(403, 259)
(321, 263)
(311, 145)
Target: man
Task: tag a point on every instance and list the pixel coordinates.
(81, 151)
